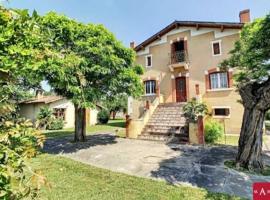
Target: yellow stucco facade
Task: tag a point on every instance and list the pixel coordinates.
(201, 61)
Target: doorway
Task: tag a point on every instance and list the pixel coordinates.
(181, 90)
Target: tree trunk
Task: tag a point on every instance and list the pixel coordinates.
(250, 141)
(80, 124)
(114, 114)
(256, 101)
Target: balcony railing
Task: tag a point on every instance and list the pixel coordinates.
(178, 57)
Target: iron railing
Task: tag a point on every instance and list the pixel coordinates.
(178, 57)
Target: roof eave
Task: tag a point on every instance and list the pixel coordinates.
(175, 24)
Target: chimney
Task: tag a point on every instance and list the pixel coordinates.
(244, 16)
(132, 45)
(39, 93)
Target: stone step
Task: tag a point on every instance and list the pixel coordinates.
(166, 124)
(164, 138)
(154, 137)
(168, 119)
(172, 124)
(172, 105)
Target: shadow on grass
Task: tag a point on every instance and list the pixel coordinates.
(58, 133)
(60, 145)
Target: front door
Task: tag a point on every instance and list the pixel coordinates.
(181, 91)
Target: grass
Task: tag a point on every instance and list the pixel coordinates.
(73, 180)
(116, 126)
(232, 164)
(233, 140)
(229, 140)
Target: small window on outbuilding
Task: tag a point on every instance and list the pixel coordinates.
(221, 112)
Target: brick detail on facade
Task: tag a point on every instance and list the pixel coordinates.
(187, 87)
(173, 90)
(200, 130)
(230, 77)
(197, 89)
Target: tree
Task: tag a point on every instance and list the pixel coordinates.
(88, 65)
(117, 104)
(20, 55)
(251, 58)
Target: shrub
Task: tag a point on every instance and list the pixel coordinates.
(213, 131)
(56, 124)
(44, 117)
(103, 116)
(193, 109)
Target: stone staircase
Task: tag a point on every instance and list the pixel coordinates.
(167, 124)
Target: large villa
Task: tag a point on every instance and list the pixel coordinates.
(182, 62)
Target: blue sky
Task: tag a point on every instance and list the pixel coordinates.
(136, 20)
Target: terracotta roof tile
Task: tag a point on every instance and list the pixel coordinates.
(44, 99)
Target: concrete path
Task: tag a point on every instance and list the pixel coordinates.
(177, 164)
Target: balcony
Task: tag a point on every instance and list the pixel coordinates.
(178, 59)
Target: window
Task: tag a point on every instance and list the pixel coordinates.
(59, 113)
(150, 87)
(148, 61)
(216, 48)
(219, 80)
(221, 112)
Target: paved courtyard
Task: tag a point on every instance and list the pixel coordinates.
(177, 164)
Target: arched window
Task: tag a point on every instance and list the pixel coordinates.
(218, 80)
(150, 87)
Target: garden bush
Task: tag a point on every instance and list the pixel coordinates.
(193, 109)
(44, 117)
(213, 131)
(103, 116)
(56, 124)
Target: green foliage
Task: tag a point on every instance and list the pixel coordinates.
(22, 50)
(56, 124)
(193, 109)
(45, 117)
(117, 103)
(21, 53)
(88, 63)
(213, 131)
(251, 54)
(103, 116)
(19, 141)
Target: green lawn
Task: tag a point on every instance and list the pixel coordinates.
(73, 180)
(229, 140)
(115, 126)
(233, 140)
